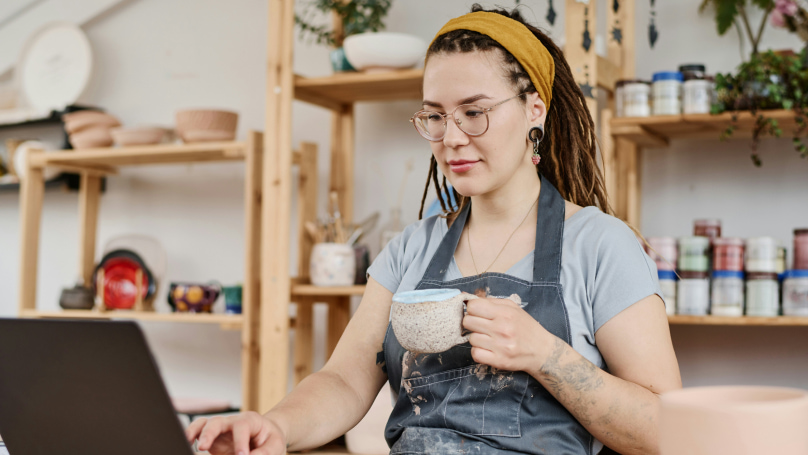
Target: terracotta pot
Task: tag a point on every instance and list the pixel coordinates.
(81, 120)
(95, 136)
(738, 420)
(220, 125)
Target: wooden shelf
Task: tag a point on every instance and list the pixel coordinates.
(333, 92)
(104, 160)
(312, 290)
(657, 131)
(741, 320)
(199, 318)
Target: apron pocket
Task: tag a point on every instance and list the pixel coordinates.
(475, 400)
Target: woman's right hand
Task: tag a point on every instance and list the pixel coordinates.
(248, 433)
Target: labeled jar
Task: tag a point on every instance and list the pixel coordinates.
(762, 294)
(727, 293)
(637, 99)
(693, 294)
(667, 93)
(710, 228)
(667, 283)
(663, 252)
(698, 96)
(693, 71)
(761, 254)
(728, 254)
(693, 254)
(801, 249)
(795, 293)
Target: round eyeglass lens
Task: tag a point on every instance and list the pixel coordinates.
(471, 119)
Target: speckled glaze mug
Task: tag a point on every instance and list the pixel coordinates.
(429, 320)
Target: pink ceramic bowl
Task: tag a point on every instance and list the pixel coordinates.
(138, 136)
(92, 137)
(738, 420)
(81, 120)
(205, 125)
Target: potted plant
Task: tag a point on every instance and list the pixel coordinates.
(355, 16)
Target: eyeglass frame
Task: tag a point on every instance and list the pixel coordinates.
(445, 117)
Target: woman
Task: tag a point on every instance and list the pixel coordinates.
(579, 363)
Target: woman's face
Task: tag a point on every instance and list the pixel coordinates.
(477, 165)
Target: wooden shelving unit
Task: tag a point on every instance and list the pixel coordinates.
(749, 321)
(95, 164)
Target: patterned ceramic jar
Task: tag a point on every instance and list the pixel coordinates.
(332, 264)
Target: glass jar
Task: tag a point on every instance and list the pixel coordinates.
(636, 99)
(761, 254)
(795, 293)
(727, 293)
(801, 249)
(693, 294)
(663, 252)
(693, 71)
(667, 283)
(728, 254)
(693, 254)
(710, 228)
(667, 93)
(762, 294)
(698, 96)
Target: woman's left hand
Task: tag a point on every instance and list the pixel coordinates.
(504, 335)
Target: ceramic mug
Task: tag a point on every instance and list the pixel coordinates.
(429, 320)
(332, 264)
(232, 299)
(741, 420)
(193, 297)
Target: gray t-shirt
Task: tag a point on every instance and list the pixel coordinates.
(604, 269)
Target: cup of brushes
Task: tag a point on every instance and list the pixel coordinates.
(332, 261)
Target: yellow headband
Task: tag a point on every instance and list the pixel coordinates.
(518, 40)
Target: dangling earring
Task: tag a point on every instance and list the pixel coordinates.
(536, 134)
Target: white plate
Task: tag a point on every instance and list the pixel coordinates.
(21, 152)
(55, 66)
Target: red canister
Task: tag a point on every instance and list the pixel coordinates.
(801, 249)
(728, 254)
(707, 228)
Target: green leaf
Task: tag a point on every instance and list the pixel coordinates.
(725, 13)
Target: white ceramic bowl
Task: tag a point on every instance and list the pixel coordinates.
(384, 51)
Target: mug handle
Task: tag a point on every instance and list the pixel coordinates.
(464, 334)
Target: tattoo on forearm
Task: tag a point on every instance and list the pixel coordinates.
(569, 381)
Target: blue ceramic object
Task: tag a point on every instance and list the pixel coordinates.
(339, 62)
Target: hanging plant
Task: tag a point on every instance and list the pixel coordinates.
(767, 81)
(357, 16)
(735, 12)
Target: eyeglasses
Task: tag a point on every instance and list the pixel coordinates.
(470, 118)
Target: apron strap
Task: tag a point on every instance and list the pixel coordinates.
(549, 234)
(443, 256)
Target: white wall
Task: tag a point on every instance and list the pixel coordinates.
(155, 57)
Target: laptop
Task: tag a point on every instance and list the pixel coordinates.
(83, 387)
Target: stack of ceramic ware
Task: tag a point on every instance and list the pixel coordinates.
(90, 129)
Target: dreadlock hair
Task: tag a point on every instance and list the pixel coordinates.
(569, 149)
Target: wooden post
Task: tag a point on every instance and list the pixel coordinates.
(251, 291)
(138, 290)
(633, 184)
(609, 164)
(306, 206)
(339, 314)
(579, 18)
(31, 198)
(342, 159)
(89, 202)
(304, 341)
(276, 210)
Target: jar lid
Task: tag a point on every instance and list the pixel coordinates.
(727, 274)
(763, 241)
(761, 276)
(623, 82)
(694, 241)
(692, 67)
(668, 76)
(667, 275)
(796, 274)
(688, 275)
(728, 241)
(708, 222)
(801, 231)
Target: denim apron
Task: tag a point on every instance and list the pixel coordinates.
(447, 403)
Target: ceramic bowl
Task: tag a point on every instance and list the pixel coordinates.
(81, 120)
(740, 420)
(204, 125)
(92, 137)
(138, 136)
(384, 51)
(21, 156)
